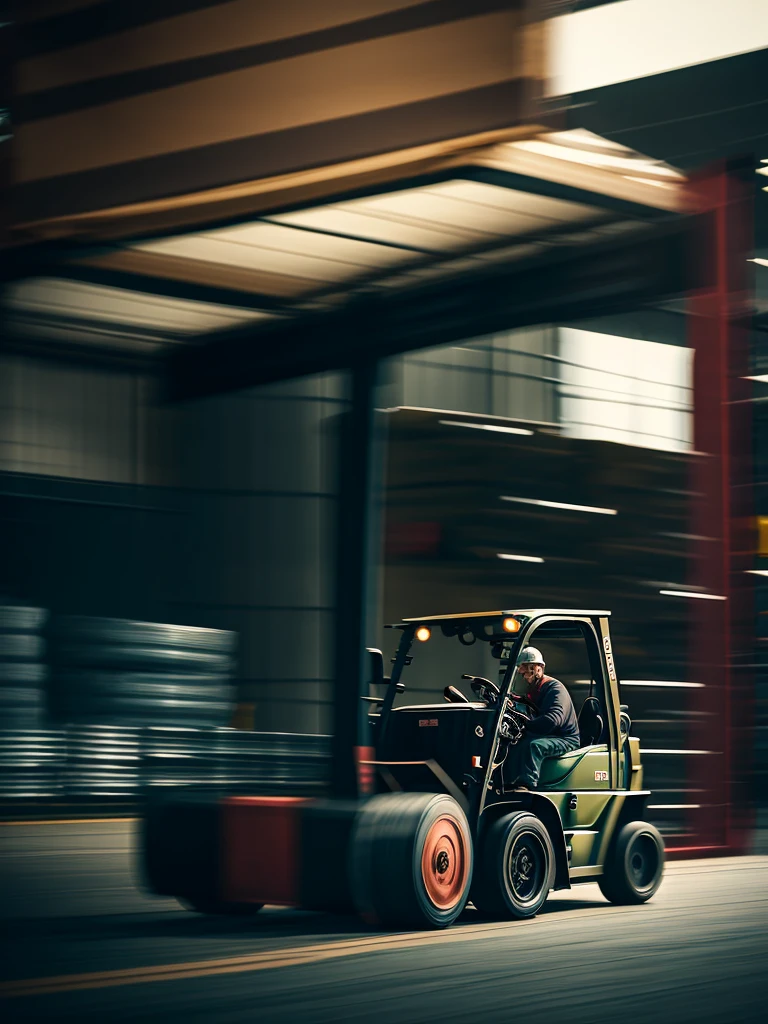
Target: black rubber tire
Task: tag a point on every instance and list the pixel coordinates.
(90, 684)
(47, 744)
(142, 658)
(21, 673)
(514, 846)
(388, 840)
(22, 718)
(21, 697)
(205, 905)
(634, 867)
(21, 707)
(20, 619)
(30, 763)
(143, 711)
(127, 632)
(21, 647)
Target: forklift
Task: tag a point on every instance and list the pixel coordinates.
(442, 823)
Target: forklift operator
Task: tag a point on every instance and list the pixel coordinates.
(553, 731)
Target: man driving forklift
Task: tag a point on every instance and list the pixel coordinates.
(552, 731)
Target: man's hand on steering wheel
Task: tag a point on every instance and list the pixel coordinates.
(512, 725)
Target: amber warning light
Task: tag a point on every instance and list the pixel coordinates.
(511, 625)
(423, 633)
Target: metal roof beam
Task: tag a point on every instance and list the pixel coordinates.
(618, 274)
(169, 287)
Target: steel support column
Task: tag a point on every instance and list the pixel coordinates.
(358, 576)
(722, 629)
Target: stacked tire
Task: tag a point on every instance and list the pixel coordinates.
(102, 763)
(22, 667)
(275, 761)
(181, 757)
(123, 673)
(31, 764)
(30, 755)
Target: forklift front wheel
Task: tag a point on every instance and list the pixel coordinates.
(411, 860)
(518, 867)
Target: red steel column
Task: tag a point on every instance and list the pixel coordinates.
(722, 628)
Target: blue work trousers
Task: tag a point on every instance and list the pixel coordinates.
(524, 759)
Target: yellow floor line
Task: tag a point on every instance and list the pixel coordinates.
(67, 821)
(232, 965)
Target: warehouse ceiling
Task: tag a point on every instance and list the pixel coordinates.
(302, 245)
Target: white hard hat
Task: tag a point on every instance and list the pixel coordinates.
(529, 656)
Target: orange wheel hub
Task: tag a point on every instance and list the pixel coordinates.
(445, 862)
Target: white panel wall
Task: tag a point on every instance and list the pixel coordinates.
(499, 375)
(634, 38)
(626, 390)
(69, 421)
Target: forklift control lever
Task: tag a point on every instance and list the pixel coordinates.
(484, 688)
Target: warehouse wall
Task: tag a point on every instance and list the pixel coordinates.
(253, 474)
(219, 513)
(81, 531)
(63, 420)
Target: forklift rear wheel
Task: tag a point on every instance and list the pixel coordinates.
(411, 860)
(634, 867)
(518, 867)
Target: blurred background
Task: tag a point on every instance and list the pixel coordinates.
(527, 260)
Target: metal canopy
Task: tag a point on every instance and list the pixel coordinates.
(317, 241)
(486, 617)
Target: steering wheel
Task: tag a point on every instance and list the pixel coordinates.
(484, 688)
(524, 699)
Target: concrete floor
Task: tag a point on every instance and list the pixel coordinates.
(71, 911)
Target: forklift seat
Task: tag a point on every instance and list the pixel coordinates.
(590, 722)
(557, 768)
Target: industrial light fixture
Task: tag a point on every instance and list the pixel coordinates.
(486, 426)
(519, 558)
(660, 683)
(561, 504)
(649, 750)
(690, 593)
